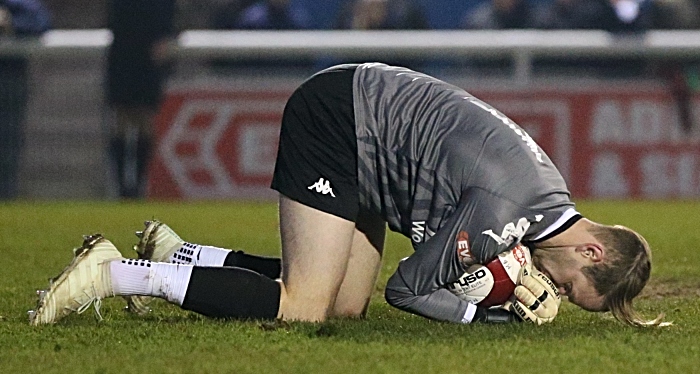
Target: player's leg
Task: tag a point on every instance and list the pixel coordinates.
(318, 260)
(315, 252)
(316, 176)
(363, 266)
(130, 146)
(316, 248)
(144, 117)
(159, 243)
(316, 167)
(99, 271)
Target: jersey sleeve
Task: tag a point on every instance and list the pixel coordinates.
(481, 227)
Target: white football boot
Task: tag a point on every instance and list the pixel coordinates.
(86, 281)
(157, 243)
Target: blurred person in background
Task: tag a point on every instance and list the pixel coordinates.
(262, 15)
(629, 17)
(624, 18)
(19, 19)
(556, 15)
(273, 15)
(495, 15)
(223, 14)
(137, 64)
(382, 15)
(676, 14)
(499, 14)
(680, 75)
(619, 16)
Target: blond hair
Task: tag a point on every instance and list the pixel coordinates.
(623, 274)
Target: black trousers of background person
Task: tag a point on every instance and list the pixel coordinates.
(13, 104)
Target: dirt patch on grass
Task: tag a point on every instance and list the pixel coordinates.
(658, 289)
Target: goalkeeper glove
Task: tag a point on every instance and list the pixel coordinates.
(536, 298)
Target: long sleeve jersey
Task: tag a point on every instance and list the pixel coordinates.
(453, 174)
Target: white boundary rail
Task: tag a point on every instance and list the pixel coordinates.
(522, 46)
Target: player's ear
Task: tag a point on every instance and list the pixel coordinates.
(593, 251)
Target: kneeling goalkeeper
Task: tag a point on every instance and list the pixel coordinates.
(366, 146)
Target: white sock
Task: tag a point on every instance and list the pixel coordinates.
(199, 255)
(143, 277)
(130, 277)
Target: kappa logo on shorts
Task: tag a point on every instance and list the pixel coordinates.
(322, 186)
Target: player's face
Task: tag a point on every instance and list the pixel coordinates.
(564, 266)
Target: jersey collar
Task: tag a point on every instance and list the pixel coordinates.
(566, 220)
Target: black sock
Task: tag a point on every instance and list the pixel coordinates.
(116, 152)
(232, 292)
(124, 154)
(268, 266)
(143, 156)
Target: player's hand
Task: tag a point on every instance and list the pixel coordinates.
(536, 298)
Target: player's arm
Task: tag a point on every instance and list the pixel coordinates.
(440, 303)
(418, 285)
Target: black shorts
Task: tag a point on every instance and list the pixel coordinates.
(317, 156)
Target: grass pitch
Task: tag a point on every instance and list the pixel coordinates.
(36, 241)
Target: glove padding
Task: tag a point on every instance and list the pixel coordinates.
(536, 298)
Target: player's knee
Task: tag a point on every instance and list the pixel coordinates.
(303, 306)
(303, 311)
(351, 310)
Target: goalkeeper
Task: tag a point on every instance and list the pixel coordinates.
(363, 147)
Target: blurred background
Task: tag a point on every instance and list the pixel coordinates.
(165, 99)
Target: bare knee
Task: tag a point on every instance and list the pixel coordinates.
(357, 309)
(303, 306)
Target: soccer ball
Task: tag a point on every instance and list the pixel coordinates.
(493, 283)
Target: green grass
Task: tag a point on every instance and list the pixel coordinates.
(36, 241)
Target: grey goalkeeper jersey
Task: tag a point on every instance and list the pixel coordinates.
(445, 169)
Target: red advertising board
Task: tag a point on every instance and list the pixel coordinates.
(621, 142)
(216, 144)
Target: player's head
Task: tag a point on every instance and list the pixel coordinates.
(624, 272)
